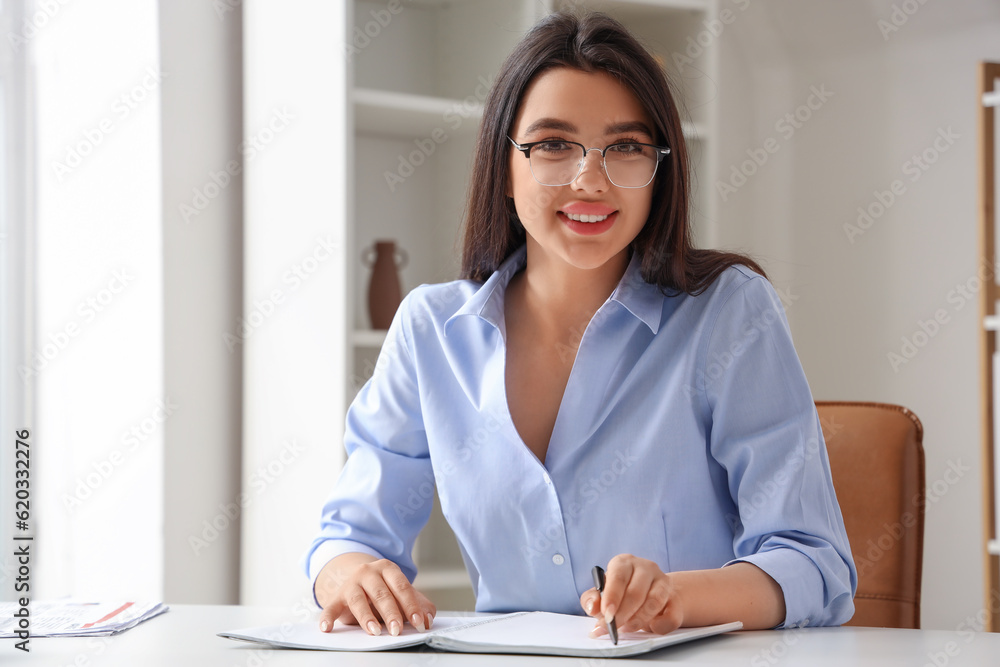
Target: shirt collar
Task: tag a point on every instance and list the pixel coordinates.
(487, 302)
(642, 299)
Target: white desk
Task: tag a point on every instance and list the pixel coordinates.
(185, 637)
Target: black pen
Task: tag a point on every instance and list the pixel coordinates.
(598, 573)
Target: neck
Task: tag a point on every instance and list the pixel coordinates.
(558, 295)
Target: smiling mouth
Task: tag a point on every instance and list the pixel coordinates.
(585, 218)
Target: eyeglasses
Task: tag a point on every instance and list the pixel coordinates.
(626, 164)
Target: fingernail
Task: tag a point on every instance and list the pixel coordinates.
(590, 608)
(430, 619)
(609, 615)
(324, 625)
(394, 628)
(374, 628)
(418, 622)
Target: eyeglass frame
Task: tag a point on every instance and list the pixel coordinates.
(661, 152)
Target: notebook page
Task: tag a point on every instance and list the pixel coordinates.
(558, 634)
(342, 637)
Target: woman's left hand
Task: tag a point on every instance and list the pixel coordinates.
(638, 595)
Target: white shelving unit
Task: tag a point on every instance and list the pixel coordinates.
(420, 76)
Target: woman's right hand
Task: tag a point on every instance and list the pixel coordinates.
(350, 585)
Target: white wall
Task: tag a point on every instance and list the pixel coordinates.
(295, 287)
(857, 298)
(201, 50)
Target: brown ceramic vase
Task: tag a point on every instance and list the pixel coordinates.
(384, 290)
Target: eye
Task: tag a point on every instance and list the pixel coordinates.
(625, 149)
(553, 148)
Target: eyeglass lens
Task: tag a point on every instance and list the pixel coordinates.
(625, 165)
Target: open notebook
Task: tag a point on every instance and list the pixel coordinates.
(537, 632)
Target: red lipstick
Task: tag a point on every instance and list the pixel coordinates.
(587, 208)
(584, 209)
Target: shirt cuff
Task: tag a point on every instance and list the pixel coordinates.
(327, 551)
(798, 577)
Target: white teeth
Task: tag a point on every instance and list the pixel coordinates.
(586, 218)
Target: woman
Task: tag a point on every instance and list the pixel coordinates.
(595, 391)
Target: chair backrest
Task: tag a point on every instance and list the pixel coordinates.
(877, 462)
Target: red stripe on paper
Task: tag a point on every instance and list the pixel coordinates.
(112, 614)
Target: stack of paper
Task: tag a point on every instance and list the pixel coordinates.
(64, 618)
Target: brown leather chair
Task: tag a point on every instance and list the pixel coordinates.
(877, 462)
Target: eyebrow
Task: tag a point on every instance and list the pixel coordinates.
(564, 126)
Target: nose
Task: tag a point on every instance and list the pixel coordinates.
(591, 176)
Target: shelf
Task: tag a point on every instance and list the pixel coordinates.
(388, 113)
(383, 111)
(372, 338)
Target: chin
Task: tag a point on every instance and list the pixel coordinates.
(591, 258)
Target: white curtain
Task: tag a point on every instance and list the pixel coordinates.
(97, 347)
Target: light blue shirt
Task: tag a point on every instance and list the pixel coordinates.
(687, 435)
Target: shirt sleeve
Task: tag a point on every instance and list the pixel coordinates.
(766, 433)
(385, 491)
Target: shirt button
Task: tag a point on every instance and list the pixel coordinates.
(558, 559)
(548, 480)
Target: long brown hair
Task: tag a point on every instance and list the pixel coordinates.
(594, 42)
